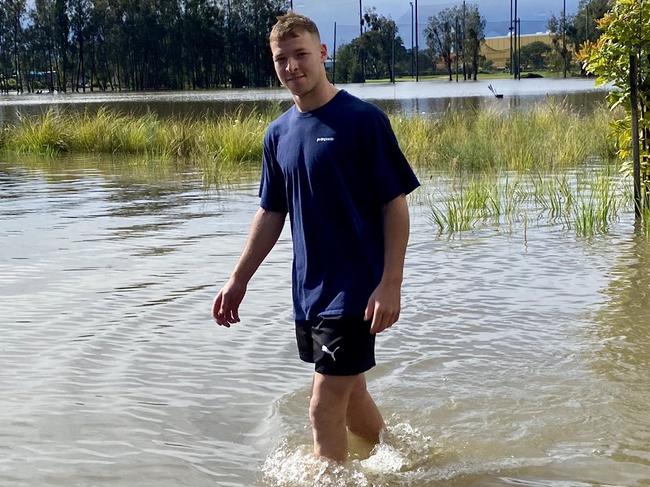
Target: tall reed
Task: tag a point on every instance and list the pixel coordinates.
(549, 135)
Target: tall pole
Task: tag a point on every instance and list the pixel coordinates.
(417, 61)
(514, 54)
(361, 57)
(510, 29)
(334, 57)
(564, 34)
(360, 19)
(412, 44)
(456, 35)
(392, 56)
(519, 49)
(291, 5)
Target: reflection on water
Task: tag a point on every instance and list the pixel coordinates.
(622, 357)
(519, 360)
(430, 97)
(625, 319)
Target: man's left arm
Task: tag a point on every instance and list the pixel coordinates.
(384, 303)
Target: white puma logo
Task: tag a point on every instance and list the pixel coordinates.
(324, 139)
(330, 352)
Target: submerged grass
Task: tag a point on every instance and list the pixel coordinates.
(588, 203)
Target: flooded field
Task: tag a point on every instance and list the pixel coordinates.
(521, 358)
(428, 97)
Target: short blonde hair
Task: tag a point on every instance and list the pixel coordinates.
(291, 25)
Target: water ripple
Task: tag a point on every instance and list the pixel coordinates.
(517, 361)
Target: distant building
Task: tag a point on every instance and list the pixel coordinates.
(497, 49)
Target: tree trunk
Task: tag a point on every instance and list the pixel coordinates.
(635, 135)
(81, 64)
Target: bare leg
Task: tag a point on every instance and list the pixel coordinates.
(363, 417)
(338, 403)
(327, 412)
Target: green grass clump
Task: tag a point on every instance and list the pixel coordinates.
(226, 143)
(37, 135)
(550, 135)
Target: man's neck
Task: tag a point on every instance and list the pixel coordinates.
(316, 98)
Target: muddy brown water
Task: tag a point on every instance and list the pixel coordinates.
(519, 359)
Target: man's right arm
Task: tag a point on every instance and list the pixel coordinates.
(264, 233)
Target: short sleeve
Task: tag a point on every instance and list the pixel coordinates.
(390, 173)
(272, 192)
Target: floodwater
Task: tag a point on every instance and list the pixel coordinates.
(521, 358)
(430, 97)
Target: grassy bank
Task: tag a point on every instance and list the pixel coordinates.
(547, 136)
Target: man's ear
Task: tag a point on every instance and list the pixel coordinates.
(323, 53)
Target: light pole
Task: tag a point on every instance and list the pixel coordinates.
(510, 30)
(412, 51)
(515, 63)
(519, 49)
(417, 61)
(360, 19)
(362, 60)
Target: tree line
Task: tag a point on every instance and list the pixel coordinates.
(79, 45)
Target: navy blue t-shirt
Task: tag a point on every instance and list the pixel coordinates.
(333, 169)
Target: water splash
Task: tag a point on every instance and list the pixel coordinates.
(402, 448)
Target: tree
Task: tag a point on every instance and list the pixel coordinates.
(80, 13)
(347, 62)
(456, 34)
(14, 41)
(585, 22)
(474, 36)
(441, 37)
(61, 32)
(562, 30)
(622, 56)
(381, 44)
(581, 27)
(533, 55)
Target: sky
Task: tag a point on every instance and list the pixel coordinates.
(533, 14)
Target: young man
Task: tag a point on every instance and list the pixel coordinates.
(333, 163)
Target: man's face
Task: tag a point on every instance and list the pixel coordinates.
(299, 63)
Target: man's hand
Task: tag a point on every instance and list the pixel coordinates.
(225, 307)
(265, 230)
(383, 307)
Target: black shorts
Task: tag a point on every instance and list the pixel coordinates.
(341, 345)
